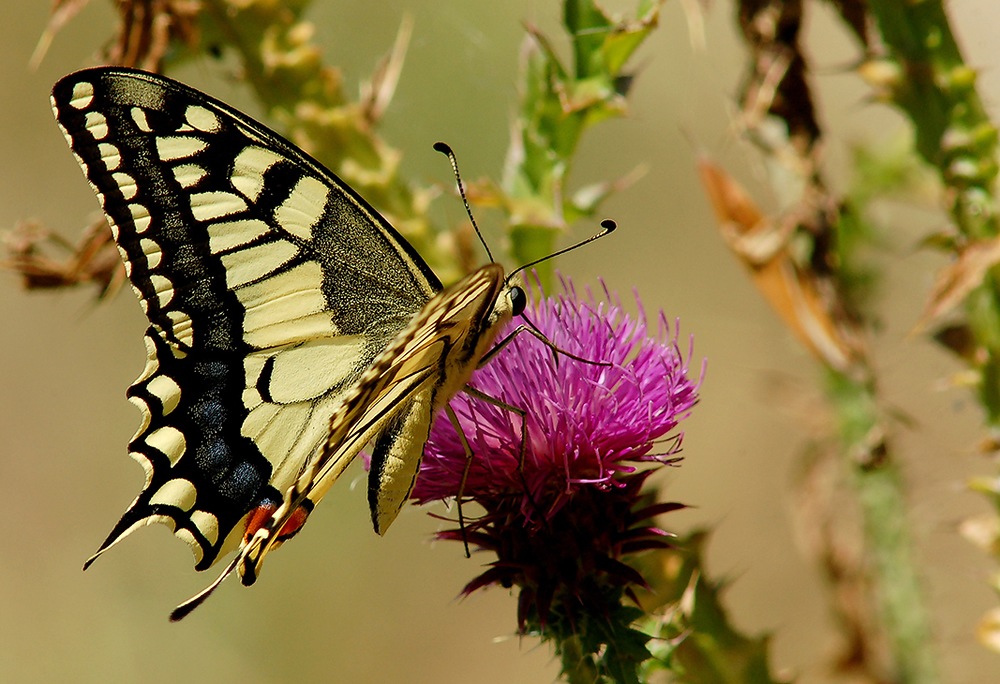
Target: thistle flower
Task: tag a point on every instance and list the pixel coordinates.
(561, 512)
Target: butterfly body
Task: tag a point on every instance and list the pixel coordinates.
(290, 324)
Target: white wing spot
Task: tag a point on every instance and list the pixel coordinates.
(79, 160)
(97, 124)
(258, 420)
(274, 442)
(303, 207)
(164, 289)
(140, 216)
(169, 441)
(279, 331)
(177, 492)
(152, 362)
(207, 524)
(286, 309)
(308, 371)
(188, 175)
(122, 253)
(154, 255)
(126, 184)
(83, 94)
(186, 536)
(173, 147)
(166, 389)
(253, 364)
(248, 170)
(141, 120)
(206, 206)
(110, 155)
(307, 440)
(251, 398)
(202, 119)
(181, 327)
(147, 415)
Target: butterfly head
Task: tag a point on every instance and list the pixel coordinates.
(518, 300)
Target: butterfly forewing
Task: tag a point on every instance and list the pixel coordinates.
(269, 285)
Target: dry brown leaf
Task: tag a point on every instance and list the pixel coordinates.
(802, 299)
(147, 29)
(92, 260)
(956, 280)
(62, 11)
(378, 93)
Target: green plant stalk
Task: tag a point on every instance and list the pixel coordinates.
(899, 593)
(558, 104)
(897, 618)
(878, 485)
(903, 622)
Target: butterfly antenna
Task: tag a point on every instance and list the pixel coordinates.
(446, 150)
(608, 226)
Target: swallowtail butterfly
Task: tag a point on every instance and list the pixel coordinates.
(289, 323)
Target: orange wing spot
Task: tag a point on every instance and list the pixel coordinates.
(258, 517)
(262, 515)
(295, 523)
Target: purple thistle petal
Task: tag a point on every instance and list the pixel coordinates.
(587, 424)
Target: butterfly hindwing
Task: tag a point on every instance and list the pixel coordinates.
(269, 285)
(451, 338)
(393, 403)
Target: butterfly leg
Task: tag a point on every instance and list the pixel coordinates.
(522, 449)
(450, 412)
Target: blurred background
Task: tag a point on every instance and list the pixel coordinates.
(340, 604)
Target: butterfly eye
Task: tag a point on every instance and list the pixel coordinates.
(518, 301)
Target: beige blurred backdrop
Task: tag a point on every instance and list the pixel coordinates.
(340, 604)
